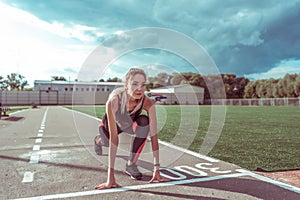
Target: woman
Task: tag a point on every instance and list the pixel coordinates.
(123, 114)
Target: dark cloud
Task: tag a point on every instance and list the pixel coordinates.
(242, 37)
(280, 42)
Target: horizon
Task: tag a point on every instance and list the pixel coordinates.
(122, 78)
(122, 81)
(41, 39)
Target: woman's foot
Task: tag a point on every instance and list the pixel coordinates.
(133, 172)
(98, 145)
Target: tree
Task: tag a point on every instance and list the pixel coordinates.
(176, 79)
(271, 88)
(288, 84)
(15, 81)
(250, 90)
(261, 89)
(3, 86)
(58, 78)
(297, 85)
(115, 79)
(197, 80)
(160, 80)
(241, 82)
(215, 87)
(281, 89)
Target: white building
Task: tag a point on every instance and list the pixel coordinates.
(179, 94)
(72, 92)
(76, 86)
(95, 93)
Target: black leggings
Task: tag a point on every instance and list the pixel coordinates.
(140, 129)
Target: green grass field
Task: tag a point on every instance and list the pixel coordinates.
(17, 108)
(252, 137)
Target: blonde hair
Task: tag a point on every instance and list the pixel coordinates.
(122, 92)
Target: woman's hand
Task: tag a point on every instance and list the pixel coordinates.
(107, 185)
(158, 178)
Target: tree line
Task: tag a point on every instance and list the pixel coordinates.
(288, 86)
(234, 87)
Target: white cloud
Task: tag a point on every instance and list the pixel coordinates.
(285, 67)
(23, 18)
(37, 49)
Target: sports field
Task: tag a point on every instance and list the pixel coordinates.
(265, 137)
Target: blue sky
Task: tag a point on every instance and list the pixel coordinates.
(256, 39)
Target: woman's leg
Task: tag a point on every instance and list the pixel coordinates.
(104, 135)
(102, 139)
(141, 133)
(141, 130)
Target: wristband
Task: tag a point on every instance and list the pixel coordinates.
(157, 165)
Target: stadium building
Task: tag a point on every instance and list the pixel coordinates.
(184, 94)
(73, 92)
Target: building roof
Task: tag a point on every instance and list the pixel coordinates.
(77, 82)
(172, 88)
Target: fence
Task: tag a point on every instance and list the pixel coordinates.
(256, 102)
(53, 97)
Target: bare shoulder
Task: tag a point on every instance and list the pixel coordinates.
(112, 104)
(148, 103)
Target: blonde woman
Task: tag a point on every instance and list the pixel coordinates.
(123, 114)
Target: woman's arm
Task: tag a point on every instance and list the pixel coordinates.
(113, 135)
(111, 107)
(153, 132)
(150, 108)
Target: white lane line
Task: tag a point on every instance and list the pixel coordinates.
(28, 177)
(36, 148)
(34, 159)
(198, 155)
(134, 187)
(188, 151)
(38, 140)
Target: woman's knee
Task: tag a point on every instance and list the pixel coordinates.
(142, 120)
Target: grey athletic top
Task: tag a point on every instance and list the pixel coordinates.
(124, 119)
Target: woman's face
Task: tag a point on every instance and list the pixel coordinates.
(137, 86)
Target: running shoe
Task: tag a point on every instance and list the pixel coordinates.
(133, 172)
(98, 145)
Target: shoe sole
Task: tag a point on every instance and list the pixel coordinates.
(98, 150)
(132, 177)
